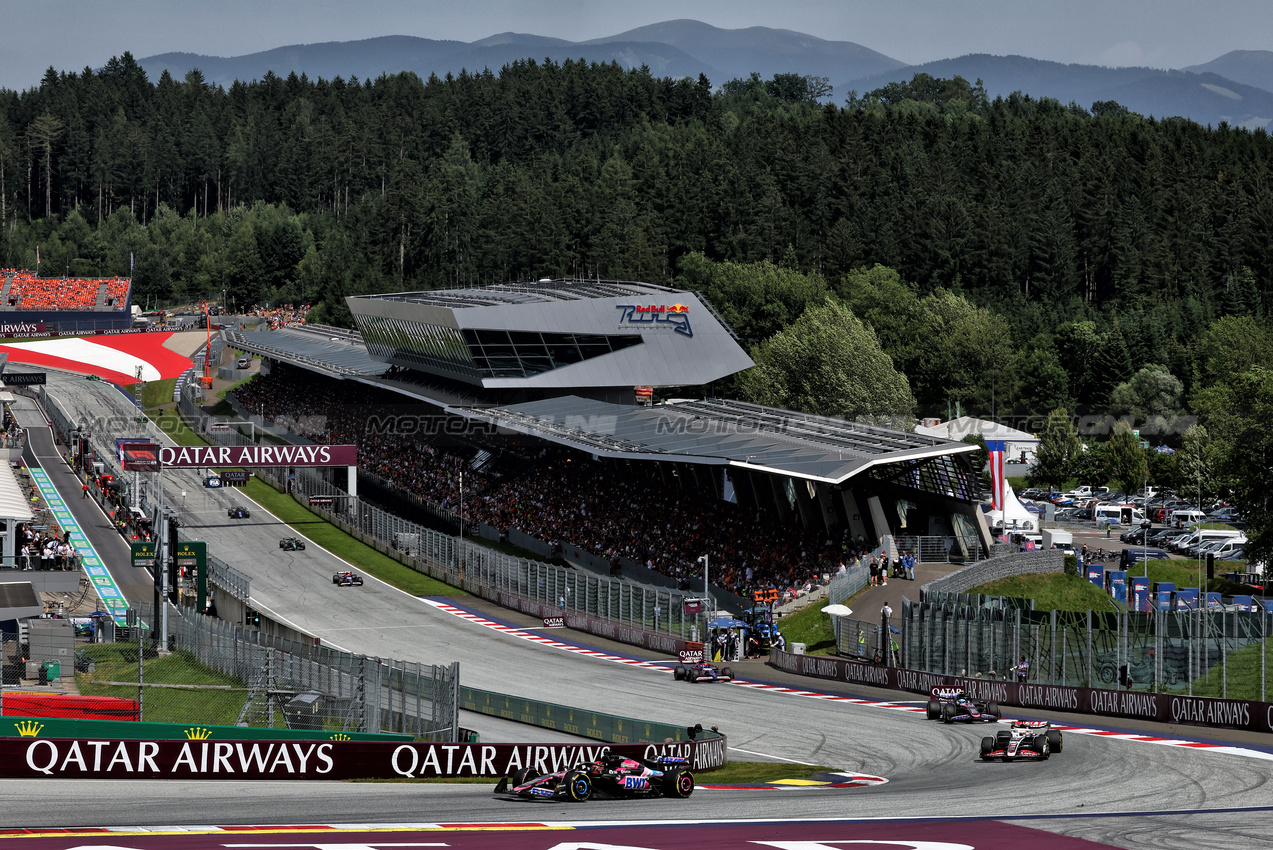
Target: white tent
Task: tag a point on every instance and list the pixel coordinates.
(1014, 515)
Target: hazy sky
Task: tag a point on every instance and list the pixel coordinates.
(72, 34)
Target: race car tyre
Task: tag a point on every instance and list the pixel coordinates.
(1042, 747)
(521, 777)
(1054, 739)
(678, 673)
(578, 786)
(1003, 738)
(691, 675)
(934, 709)
(992, 708)
(679, 784)
(987, 746)
(947, 713)
(727, 673)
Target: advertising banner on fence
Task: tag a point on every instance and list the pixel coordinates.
(86, 758)
(187, 457)
(1165, 708)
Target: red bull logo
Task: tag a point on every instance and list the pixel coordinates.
(675, 316)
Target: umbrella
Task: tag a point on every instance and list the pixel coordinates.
(837, 610)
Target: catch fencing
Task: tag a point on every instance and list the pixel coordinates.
(1216, 652)
(231, 675)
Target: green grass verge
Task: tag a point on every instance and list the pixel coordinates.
(170, 422)
(1051, 591)
(1057, 591)
(221, 394)
(342, 545)
(118, 663)
(157, 393)
(810, 627)
(1243, 674)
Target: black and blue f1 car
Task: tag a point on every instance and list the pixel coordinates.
(702, 672)
(1025, 739)
(951, 706)
(610, 776)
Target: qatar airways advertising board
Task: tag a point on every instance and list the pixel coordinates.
(83, 758)
(198, 457)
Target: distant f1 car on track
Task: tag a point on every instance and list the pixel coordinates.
(702, 672)
(610, 776)
(958, 707)
(347, 579)
(291, 544)
(1026, 739)
(239, 512)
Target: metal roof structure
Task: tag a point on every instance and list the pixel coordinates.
(559, 336)
(18, 600)
(13, 504)
(334, 352)
(532, 292)
(719, 433)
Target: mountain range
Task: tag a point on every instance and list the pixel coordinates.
(1236, 88)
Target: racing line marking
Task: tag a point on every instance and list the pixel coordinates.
(666, 667)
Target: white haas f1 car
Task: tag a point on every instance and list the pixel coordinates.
(1026, 739)
(610, 776)
(955, 706)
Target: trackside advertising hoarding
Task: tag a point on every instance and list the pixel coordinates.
(196, 457)
(1164, 708)
(87, 758)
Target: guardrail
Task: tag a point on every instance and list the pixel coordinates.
(575, 721)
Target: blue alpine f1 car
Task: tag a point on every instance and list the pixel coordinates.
(957, 707)
(702, 672)
(609, 776)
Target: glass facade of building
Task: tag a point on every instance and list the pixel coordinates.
(480, 353)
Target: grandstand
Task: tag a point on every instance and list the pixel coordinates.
(562, 364)
(64, 304)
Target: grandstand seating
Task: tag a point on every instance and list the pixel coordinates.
(26, 291)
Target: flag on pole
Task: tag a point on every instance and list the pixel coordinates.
(998, 479)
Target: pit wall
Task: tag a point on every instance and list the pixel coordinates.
(1164, 708)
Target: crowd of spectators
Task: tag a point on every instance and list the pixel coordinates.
(27, 291)
(557, 495)
(281, 317)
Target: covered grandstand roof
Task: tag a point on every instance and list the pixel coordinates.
(334, 352)
(531, 292)
(720, 433)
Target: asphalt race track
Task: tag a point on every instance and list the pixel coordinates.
(1103, 789)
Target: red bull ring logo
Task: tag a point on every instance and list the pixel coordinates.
(676, 316)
